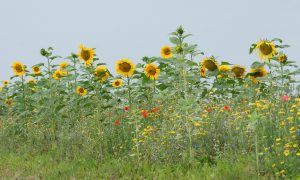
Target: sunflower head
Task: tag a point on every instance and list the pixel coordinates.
(117, 83)
(19, 68)
(258, 72)
(266, 49)
(58, 74)
(202, 71)
(166, 52)
(5, 83)
(101, 73)
(36, 69)
(151, 71)
(81, 91)
(125, 67)
(32, 81)
(238, 71)
(210, 63)
(86, 54)
(224, 68)
(282, 58)
(63, 65)
(8, 102)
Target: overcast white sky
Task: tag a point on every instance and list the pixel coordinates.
(137, 28)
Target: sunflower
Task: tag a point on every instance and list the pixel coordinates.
(63, 65)
(19, 68)
(166, 52)
(151, 71)
(58, 74)
(202, 71)
(224, 68)
(86, 54)
(5, 83)
(125, 67)
(101, 73)
(210, 63)
(36, 69)
(81, 91)
(258, 72)
(266, 49)
(282, 58)
(8, 102)
(117, 83)
(238, 71)
(32, 81)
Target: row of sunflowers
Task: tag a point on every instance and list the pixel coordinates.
(167, 109)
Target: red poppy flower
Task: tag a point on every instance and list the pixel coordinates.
(209, 110)
(145, 113)
(126, 108)
(285, 98)
(226, 108)
(117, 123)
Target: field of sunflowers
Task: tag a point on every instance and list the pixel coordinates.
(182, 115)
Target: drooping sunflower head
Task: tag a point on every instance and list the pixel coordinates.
(63, 65)
(36, 69)
(86, 54)
(152, 71)
(282, 58)
(238, 71)
(209, 63)
(258, 72)
(5, 83)
(117, 83)
(101, 73)
(58, 74)
(266, 49)
(202, 71)
(224, 68)
(19, 68)
(81, 91)
(125, 67)
(166, 52)
(32, 81)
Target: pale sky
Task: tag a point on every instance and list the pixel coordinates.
(137, 28)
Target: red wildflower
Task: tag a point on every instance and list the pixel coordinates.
(226, 108)
(126, 108)
(117, 123)
(285, 98)
(145, 113)
(209, 110)
(155, 109)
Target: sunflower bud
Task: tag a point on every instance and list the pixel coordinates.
(44, 52)
(74, 55)
(179, 49)
(180, 30)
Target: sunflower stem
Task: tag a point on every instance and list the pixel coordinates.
(23, 89)
(129, 92)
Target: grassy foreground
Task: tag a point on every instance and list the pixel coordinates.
(44, 166)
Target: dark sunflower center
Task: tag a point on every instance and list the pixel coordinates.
(265, 48)
(36, 69)
(210, 65)
(19, 68)
(81, 90)
(117, 83)
(85, 55)
(152, 70)
(101, 73)
(238, 71)
(167, 51)
(125, 67)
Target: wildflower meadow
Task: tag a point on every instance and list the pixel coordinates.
(182, 114)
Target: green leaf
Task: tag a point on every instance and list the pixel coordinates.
(174, 40)
(257, 64)
(277, 39)
(253, 46)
